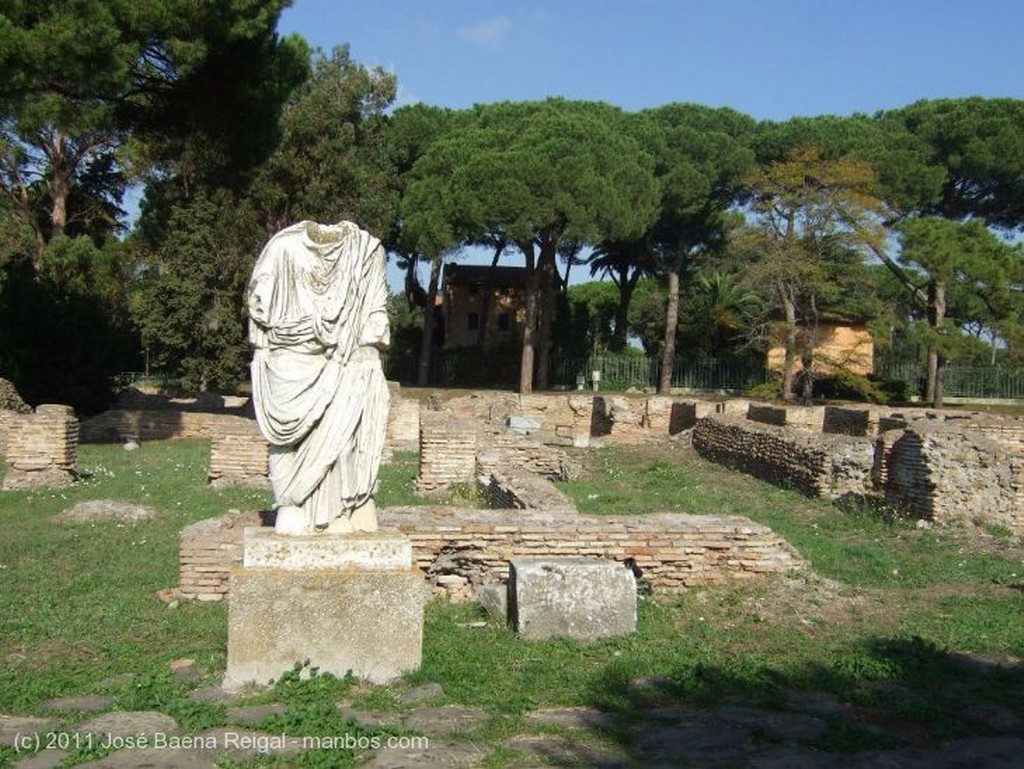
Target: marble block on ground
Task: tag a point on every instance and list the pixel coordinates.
(582, 598)
(344, 602)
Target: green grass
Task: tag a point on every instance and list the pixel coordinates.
(79, 609)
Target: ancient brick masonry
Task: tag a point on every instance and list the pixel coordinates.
(239, 456)
(447, 451)
(671, 550)
(208, 550)
(42, 448)
(814, 464)
(943, 473)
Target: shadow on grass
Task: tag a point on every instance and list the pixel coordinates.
(886, 694)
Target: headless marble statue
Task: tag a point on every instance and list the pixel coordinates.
(318, 318)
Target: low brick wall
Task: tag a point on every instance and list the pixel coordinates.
(239, 456)
(7, 417)
(670, 549)
(447, 451)
(118, 425)
(207, 552)
(816, 465)
(42, 448)
(944, 474)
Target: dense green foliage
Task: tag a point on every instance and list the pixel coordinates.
(231, 132)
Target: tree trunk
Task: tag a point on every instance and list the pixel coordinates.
(529, 320)
(668, 353)
(936, 360)
(789, 363)
(427, 340)
(529, 335)
(548, 287)
(620, 333)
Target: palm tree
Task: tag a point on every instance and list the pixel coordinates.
(723, 309)
(625, 262)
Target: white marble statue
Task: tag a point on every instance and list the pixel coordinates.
(318, 318)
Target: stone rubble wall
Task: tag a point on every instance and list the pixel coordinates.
(458, 545)
(816, 465)
(42, 448)
(941, 473)
(239, 456)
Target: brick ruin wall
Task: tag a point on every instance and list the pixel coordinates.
(41, 448)
(207, 552)
(815, 464)
(671, 550)
(239, 456)
(941, 473)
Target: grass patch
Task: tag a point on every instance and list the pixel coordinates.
(871, 626)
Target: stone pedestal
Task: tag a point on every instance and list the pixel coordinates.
(581, 598)
(345, 602)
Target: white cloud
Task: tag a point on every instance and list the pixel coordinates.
(488, 33)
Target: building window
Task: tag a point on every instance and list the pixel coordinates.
(504, 322)
(473, 321)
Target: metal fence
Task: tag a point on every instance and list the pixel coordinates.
(960, 381)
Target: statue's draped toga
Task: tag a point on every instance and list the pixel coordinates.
(318, 317)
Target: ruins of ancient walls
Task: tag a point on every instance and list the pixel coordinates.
(941, 473)
(403, 423)
(447, 451)
(508, 486)
(670, 550)
(42, 448)
(816, 465)
(239, 456)
(119, 425)
(208, 550)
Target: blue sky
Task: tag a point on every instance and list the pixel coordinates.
(772, 59)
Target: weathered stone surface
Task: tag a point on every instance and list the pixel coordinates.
(571, 718)
(421, 693)
(361, 620)
(44, 759)
(13, 726)
(85, 703)
(94, 510)
(582, 598)
(428, 755)
(208, 550)
(493, 596)
(448, 719)
(128, 723)
(266, 549)
(522, 424)
(566, 750)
